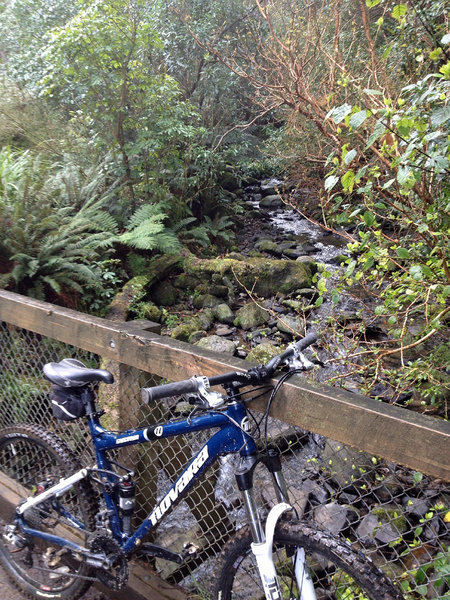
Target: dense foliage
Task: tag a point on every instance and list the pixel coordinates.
(119, 121)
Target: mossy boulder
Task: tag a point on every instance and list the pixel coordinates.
(267, 277)
(165, 294)
(268, 246)
(215, 343)
(206, 301)
(148, 310)
(262, 353)
(224, 314)
(206, 318)
(184, 331)
(251, 315)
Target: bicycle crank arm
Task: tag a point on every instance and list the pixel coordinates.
(263, 553)
(149, 549)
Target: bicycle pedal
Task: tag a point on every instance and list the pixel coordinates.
(148, 549)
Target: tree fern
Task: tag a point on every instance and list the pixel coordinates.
(146, 231)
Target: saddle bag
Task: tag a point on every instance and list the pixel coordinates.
(67, 403)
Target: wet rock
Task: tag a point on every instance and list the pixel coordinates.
(196, 336)
(315, 490)
(271, 202)
(224, 314)
(185, 330)
(309, 262)
(206, 318)
(150, 311)
(218, 344)
(165, 294)
(251, 315)
(415, 506)
(229, 182)
(345, 464)
(294, 253)
(206, 301)
(388, 489)
(291, 325)
(383, 524)
(259, 333)
(309, 293)
(224, 330)
(334, 517)
(269, 247)
(262, 353)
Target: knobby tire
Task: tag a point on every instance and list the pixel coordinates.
(31, 456)
(338, 573)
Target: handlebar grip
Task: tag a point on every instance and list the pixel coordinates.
(309, 339)
(177, 388)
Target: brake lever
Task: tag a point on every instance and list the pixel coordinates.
(299, 361)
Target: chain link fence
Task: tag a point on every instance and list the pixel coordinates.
(399, 517)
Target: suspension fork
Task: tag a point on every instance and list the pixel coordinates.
(262, 546)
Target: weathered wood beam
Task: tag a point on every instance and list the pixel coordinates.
(417, 441)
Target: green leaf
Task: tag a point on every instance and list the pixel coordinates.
(330, 182)
(405, 177)
(350, 156)
(416, 272)
(319, 301)
(417, 477)
(348, 181)
(339, 113)
(372, 3)
(357, 119)
(369, 218)
(440, 115)
(379, 130)
(371, 92)
(335, 296)
(399, 11)
(403, 253)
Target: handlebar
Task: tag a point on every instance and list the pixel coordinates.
(255, 375)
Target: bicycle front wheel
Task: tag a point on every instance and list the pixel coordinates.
(33, 459)
(337, 572)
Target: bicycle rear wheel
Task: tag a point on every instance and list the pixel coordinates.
(337, 572)
(31, 460)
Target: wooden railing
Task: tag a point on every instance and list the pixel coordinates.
(417, 441)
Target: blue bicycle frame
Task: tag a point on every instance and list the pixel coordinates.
(230, 438)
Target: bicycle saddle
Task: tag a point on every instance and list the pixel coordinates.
(70, 372)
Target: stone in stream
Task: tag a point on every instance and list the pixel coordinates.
(251, 315)
(218, 344)
(223, 313)
(266, 277)
(270, 202)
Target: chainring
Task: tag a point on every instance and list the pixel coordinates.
(116, 577)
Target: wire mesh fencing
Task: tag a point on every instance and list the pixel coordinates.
(398, 517)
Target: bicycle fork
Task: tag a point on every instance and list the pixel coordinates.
(262, 546)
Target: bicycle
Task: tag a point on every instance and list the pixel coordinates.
(61, 538)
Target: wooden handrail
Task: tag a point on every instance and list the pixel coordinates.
(417, 441)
